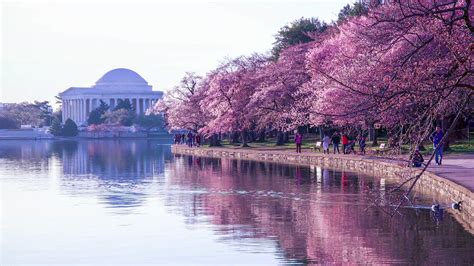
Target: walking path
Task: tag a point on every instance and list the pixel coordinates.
(458, 168)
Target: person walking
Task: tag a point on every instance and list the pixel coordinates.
(345, 142)
(326, 141)
(190, 139)
(436, 137)
(298, 141)
(362, 144)
(336, 139)
(198, 140)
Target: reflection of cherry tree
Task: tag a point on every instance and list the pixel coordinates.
(311, 222)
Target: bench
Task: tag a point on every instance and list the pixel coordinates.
(317, 146)
(382, 148)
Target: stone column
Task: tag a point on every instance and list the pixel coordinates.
(87, 105)
(68, 108)
(137, 106)
(78, 111)
(63, 108)
(72, 109)
(83, 110)
(140, 105)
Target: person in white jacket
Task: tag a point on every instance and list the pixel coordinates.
(326, 141)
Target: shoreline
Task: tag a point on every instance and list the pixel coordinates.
(432, 186)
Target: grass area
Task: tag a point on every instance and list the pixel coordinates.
(464, 146)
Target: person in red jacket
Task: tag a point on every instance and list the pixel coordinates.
(345, 141)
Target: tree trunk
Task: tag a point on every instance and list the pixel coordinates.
(244, 134)
(253, 136)
(280, 138)
(375, 143)
(371, 133)
(235, 137)
(287, 137)
(261, 136)
(321, 132)
(214, 141)
(445, 126)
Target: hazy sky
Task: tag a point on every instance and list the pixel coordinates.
(47, 47)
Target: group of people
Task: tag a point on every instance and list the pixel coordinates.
(348, 145)
(192, 140)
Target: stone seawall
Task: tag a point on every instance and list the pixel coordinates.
(430, 186)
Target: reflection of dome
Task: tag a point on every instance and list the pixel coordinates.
(121, 76)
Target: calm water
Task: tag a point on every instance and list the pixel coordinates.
(132, 202)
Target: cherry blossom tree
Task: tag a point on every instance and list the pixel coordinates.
(392, 67)
(405, 65)
(279, 102)
(230, 88)
(181, 106)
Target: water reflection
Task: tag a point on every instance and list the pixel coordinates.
(317, 215)
(120, 168)
(245, 212)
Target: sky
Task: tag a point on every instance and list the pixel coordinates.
(49, 46)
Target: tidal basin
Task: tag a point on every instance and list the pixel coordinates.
(134, 202)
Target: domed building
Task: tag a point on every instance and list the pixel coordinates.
(114, 86)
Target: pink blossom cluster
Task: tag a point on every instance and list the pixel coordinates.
(405, 60)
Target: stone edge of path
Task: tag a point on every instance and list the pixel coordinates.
(431, 186)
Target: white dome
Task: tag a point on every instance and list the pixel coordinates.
(121, 76)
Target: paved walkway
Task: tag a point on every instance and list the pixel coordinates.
(458, 168)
